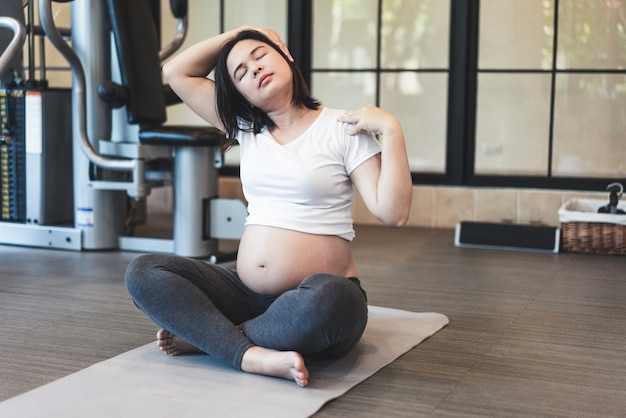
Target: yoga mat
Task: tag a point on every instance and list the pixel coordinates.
(144, 382)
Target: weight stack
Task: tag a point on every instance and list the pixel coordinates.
(12, 156)
(36, 177)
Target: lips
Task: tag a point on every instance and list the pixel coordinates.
(263, 78)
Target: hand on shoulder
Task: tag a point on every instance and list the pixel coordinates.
(371, 119)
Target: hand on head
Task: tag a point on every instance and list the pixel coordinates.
(273, 36)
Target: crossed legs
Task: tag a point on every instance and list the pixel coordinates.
(199, 306)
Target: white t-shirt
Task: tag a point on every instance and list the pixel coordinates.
(304, 185)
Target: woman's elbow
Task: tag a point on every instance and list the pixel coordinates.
(396, 222)
(394, 210)
(401, 221)
(396, 218)
(170, 73)
(165, 69)
(402, 209)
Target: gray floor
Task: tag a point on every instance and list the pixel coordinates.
(529, 335)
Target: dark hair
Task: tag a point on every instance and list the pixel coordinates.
(233, 107)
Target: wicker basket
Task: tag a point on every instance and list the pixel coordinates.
(583, 230)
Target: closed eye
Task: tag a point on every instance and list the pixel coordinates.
(257, 53)
(243, 72)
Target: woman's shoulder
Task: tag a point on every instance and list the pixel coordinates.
(329, 119)
(331, 113)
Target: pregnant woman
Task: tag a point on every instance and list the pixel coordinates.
(295, 293)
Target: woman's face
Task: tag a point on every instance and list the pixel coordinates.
(260, 73)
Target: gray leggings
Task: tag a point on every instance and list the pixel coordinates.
(208, 306)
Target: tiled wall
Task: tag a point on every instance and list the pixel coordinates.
(442, 206)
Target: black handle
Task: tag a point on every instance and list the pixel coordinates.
(179, 8)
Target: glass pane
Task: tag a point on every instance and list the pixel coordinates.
(268, 13)
(203, 22)
(344, 33)
(516, 34)
(512, 124)
(344, 90)
(419, 100)
(591, 34)
(415, 34)
(589, 125)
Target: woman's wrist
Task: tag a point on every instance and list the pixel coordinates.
(391, 128)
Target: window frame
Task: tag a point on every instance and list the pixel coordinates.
(462, 99)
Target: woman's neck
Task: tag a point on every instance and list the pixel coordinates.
(292, 123)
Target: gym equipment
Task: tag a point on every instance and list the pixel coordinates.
(117, 161)
(35, 132)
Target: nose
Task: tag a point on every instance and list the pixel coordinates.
(257, 70)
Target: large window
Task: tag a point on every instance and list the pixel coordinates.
(551, 96)
(491, 92)
(392, 53)
(514, 93)
(514, 84)
(589, 136)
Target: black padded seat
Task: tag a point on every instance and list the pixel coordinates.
(142, 92)
(178, 136)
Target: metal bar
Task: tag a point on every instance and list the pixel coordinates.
(17, 42)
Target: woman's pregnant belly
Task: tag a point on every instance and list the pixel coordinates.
(273, 260)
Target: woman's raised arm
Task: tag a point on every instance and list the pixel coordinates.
(384, 181)
(187, 72)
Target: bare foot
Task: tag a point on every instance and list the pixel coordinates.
(173, 345)
(285, 364)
